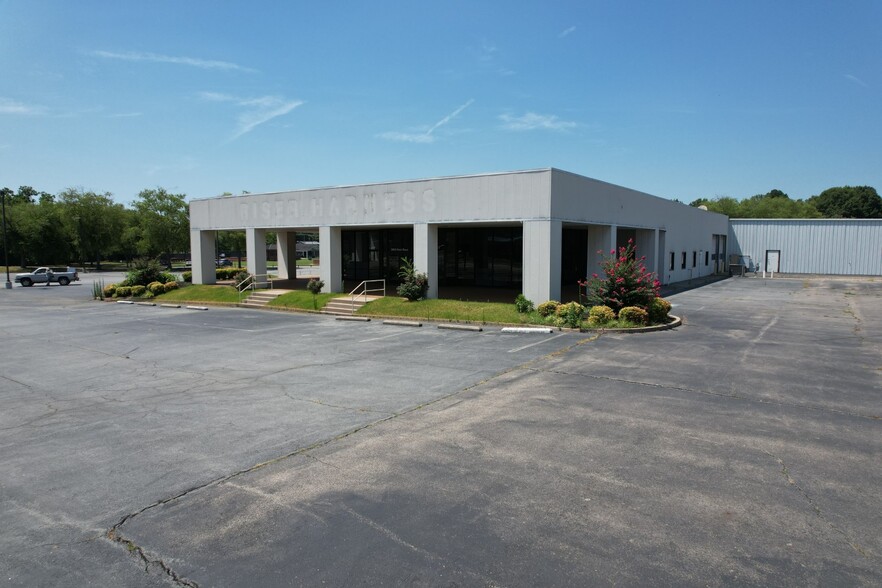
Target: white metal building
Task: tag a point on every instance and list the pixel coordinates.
(534, 231)
(810, 246)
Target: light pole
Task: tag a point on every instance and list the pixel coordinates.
(5, 247)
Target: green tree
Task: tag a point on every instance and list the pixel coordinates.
(773, 204)
(164, 223)
(849, 202)
(232, 242)
(93, 222)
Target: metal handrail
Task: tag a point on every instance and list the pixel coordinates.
(252, 283)
(354, 295)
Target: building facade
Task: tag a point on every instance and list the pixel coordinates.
(533, 231)
(810, 246)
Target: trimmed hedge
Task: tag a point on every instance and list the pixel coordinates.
(548, 308)
(634, 314)
(601, 315)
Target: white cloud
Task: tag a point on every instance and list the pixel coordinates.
(565, 32)
(426, 136)
(157, 58)
(8, 106)
(407, 137)
(532, 121)
(258, 110)
(856, 80)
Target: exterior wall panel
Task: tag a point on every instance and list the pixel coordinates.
(513, 196)
(687, 229)
(812, 246)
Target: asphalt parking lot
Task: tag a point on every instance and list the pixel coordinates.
(144, 446)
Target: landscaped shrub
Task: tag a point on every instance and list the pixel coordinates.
(571, 314)
(626, 281)
(240, 277)
(156, 287)
(143, 272)
(138, 290)
(600, 315)
(148, 295)
(658, 310)
(548, 308)
(166, 277)
(109, 290)
(187, 276)
(227, 273)
(169, 286)
(315, 287)
(414, 284)
(523, 305)
(634, 314)
(122, 292)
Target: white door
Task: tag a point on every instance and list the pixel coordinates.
(773, 258)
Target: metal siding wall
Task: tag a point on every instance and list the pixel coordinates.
(832, 247)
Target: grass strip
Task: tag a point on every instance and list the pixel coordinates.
(450, 310)
(302, 300)
(201, 293)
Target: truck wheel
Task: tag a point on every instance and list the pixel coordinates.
(64, 280)
(26, 282)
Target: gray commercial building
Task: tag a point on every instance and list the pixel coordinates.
(533, 231)
(810, 246)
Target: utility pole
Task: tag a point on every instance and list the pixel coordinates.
(5, 246)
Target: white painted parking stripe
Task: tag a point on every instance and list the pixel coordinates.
(516, 349)
(387, 336)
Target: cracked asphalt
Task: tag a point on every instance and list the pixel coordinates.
(142, 446)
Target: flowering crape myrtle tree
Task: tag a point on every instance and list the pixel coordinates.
(625, 281)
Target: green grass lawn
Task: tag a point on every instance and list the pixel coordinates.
(301, 299)
(429, 310)
(201, 293)
(451, 310)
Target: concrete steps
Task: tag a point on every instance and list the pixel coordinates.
(260, 298)
(346, 306)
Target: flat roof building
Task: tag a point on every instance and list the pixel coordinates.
(535, 231)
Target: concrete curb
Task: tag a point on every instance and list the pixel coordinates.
(675, 322)
(170, 305)
(542, 330)
(455, 327)
(197, 307)
(358, 319)
(403, 323)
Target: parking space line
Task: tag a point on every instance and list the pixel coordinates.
(516, 349)
(387, 336)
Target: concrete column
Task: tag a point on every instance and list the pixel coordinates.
(330, 258)
(255, 249)
(542, 259)
(657, 257)
(425, 254)
(613, 235)
(286, 248)
(598, 247)
(202, 256)
(646, 245)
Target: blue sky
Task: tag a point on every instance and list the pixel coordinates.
(678, 99)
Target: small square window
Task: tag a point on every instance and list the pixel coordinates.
(683, 261)
(672, 262)
(706, 256)
(694, 258)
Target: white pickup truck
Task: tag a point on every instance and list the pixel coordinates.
(45, 275)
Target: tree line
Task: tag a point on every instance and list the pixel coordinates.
(81, 227)
(839, 202)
